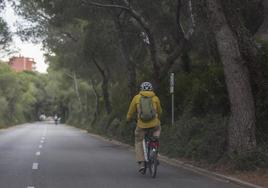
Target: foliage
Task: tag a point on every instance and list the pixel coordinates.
(19, 96)
(251, 160)
(195, 138)
(5, 35)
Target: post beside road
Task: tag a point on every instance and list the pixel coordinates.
(172, 83)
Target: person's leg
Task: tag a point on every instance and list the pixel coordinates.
(157, 131)
(139, 135)
(156, 134)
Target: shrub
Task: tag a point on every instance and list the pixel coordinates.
(251, 160)
(196, 138)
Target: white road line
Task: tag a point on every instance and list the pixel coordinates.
(38, 153)
(42, 141)
(30, 187)
(45, 132)
(43, 138)
(40, 146)
(35, 166)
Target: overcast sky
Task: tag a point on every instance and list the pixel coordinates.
(26, 49)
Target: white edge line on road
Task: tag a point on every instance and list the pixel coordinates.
(38, 153)
(35, 166)
(30, 187)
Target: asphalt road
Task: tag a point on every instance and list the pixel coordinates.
(42, 155)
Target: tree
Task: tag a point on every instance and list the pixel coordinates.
(5, 34)
(242, 120)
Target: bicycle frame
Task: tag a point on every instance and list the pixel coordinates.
(145, 150)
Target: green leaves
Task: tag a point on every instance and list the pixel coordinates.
(5, 37)
(19, 95)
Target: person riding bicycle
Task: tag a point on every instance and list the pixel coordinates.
(148, 108)
(56, 119)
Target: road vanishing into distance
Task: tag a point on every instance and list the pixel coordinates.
(43, 155)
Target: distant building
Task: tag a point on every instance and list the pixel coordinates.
(22, 63)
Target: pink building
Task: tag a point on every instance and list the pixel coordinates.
(22, 63)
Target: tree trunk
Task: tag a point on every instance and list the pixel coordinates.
(130, 65)
(186, 62)
(77, 90)
(247, 45)
(104, 86)
(242, 120)
(97, 104)
(106, 95)
(263, 32)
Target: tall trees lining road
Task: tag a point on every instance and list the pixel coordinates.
(22, 96)
(112, 45)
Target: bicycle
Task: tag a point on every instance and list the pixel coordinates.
(150, 148)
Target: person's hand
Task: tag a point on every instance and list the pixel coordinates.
(128, 120)
(133, 124)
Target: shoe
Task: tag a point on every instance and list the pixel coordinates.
(141, 167)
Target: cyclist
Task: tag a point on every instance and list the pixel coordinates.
(56, 119)
(148, 108)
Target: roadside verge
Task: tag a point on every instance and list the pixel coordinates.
(180, 164)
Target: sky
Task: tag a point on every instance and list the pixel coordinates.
(26, 49)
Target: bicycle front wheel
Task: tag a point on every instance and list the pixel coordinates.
(153, 163)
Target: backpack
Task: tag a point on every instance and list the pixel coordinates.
(146, 111)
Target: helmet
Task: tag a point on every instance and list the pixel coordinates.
(146, 86)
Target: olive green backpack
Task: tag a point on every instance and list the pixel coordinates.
(147, 111)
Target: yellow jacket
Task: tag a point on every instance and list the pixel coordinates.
(134, 107)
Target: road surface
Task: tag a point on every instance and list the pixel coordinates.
(42, 155)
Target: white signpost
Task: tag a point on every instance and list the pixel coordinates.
(172, 83)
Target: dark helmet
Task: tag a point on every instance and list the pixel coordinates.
(146, 86)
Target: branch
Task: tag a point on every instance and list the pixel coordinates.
(171, 59)
(180, 31)
(69, 75)
(46, 18)
(152, 44)
(98, 67)
(192, 25)
(105, 5)
(191, 13)
(183, 39)
(94, 88)
(142, 22)
(133, 13)
(69, 35)
(34, 10)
